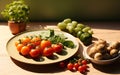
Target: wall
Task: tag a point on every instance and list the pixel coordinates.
(83, 10)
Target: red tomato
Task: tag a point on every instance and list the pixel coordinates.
(36, 40)
(45, 43)
(81, 69)
(39, 48)
(76, 65)
(25, 50)
(84, 67)
(48, 51)
(31, 45)
(57, 47)
(34, 53)
(19, 47)
(25, 40)
(84, 62)
(62, 64)
(70, 66)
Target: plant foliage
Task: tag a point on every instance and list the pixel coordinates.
(16, 11)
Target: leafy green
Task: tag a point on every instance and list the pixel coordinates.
(56, 39)
(59, 38)
(52, 33)
(16, 11)
(69, 44)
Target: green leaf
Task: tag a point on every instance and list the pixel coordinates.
(51, 33)
(69, 44)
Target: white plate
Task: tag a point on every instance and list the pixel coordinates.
(12, 51)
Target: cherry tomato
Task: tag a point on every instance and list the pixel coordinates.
(84, 67)
(39, 48)
(25, 40)
(84, 62)
(25, 50)
(70, 66)
(45, 43)
(17, 42)
(31, 45)
(36, 40)
(48, 51)
(34, 53)
(57, 47)
(62, 64)
(81, 69)
(76, 65)
(19, 47)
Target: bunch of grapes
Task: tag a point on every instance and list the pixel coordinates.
(79, 30)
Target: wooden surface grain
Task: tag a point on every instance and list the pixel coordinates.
(102, 30)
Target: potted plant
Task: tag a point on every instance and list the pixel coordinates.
(17, 14)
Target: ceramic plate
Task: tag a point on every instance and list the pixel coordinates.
(12, 51)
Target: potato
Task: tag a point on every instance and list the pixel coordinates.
(92, 51)
(108, 48)
(114, 52)
(100, 48)
(98, 56)
(114, 45)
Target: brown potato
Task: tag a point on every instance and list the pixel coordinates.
(92, 51)
(100, 48)
(114, 52)
(114, 45)
(98, 56)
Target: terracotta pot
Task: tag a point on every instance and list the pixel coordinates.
(16, 27)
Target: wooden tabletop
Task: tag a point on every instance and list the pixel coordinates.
(109, 31)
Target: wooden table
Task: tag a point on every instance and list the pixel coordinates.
(105, 30)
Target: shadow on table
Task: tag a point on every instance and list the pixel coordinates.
(113, 68)
(50, 68)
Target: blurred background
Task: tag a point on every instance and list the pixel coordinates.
(79, 10)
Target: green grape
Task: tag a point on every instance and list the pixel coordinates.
(80, 25)
(62, 25)
(77, 29)
(86, 29)
(68, 20)
(71, 29)
(90, 31)
(68, 25)
(74, 23)
(79, 33)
